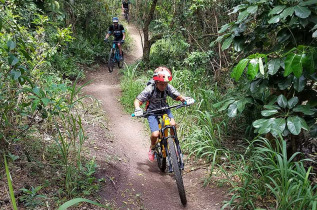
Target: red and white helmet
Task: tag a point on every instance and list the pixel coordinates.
(162, 74)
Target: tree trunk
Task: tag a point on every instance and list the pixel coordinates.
(147, 42)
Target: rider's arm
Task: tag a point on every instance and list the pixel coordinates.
(123, 35)
(174, 94)
(137, 103)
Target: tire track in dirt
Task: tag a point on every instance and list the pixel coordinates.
(136, 182)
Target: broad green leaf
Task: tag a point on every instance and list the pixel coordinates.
(293, 64)
(278, 126)
(253, 68)
(261, 67)
(219, 38)
(255, 85)
(241, 103)
(298, 68)
(272, 107)
(267, 113)
(287, 12)
(226, 44)
(226, 104)
(238, 69)
(302, 12)
(308, 62)
(242, 15)
(313, 131)
(259, 123)
(16, 74)
(238, 44)
(274, 19)
(292, 102)
(252, 9)
(273, 66)
(285, 83)
(282, 101)
(277, 10)
(11, 45)
(36, 91)
(303, 123)
(45, 101)
(294, 125)
(299, 83)
(306, 3)
(315, 34)
(232, 110)
(266, 126)
(238, 8)
(13, 60)
(79, 200)
(224, 28)
(305, 109)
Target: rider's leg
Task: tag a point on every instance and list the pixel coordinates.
(172, 121)
(154, 136)
(120, 48)
(153, 123)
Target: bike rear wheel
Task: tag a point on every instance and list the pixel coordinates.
(110, 61)
(177, 170)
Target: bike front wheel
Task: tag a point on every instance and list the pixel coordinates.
(120, 62)
(177, 171)
(110, 61)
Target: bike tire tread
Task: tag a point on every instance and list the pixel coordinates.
(177, 171)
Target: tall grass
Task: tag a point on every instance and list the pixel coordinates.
(270, 175)
(12, 197)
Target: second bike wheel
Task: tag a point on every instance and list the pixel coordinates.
(177, 171)
(110, 61)
(120, 62)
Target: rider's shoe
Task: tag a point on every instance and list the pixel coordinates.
(151, 155)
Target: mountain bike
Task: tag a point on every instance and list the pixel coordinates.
(126, 14)
(114, 56)
(167, 149)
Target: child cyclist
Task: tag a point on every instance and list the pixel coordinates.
(155, 95)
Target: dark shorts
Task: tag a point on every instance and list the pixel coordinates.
(153, 121)
(117, 39)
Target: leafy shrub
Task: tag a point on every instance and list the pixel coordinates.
(169, 51)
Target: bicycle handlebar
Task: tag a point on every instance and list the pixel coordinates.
(159, 111)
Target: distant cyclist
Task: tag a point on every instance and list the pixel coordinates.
(125, 5)
(117, 30)
(155, 96)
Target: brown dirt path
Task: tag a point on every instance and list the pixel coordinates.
(136, 182)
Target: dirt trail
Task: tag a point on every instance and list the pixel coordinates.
(136, 182)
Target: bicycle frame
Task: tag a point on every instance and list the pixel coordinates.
(116, 51)
(114, 56)
(162, 140)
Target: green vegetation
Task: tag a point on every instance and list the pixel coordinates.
(255, 124)
(249, 64)
(43, 48)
